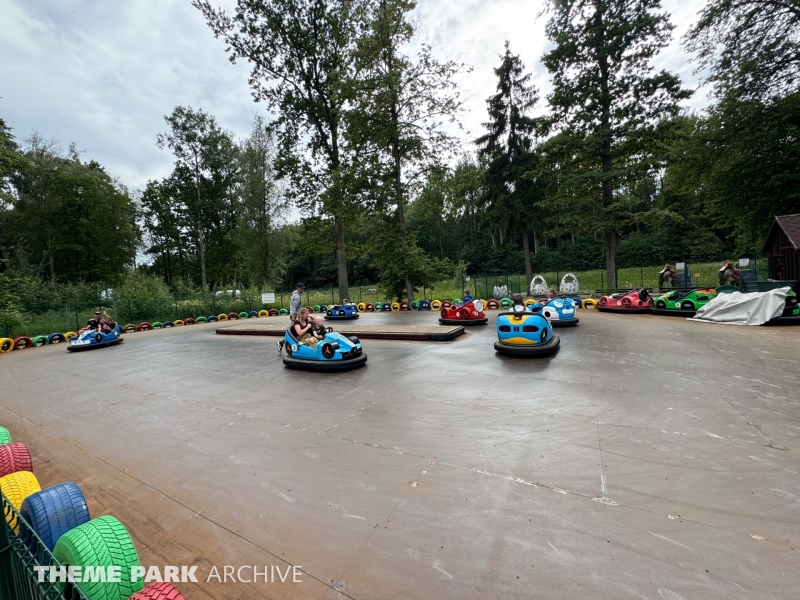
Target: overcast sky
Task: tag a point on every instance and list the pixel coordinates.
(102, 73)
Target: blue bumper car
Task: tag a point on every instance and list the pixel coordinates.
(91, 340)
(525, 333)
(560, 312)
(341, 312)
(334, 352)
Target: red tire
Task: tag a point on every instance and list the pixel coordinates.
(492, 304)
(14, 457)
(273, 312)
(22, 342)
(370, 307)
(144, 326)
(233, 316)
(404, 306)
(189, 321)
(158, 591)
(447, 304)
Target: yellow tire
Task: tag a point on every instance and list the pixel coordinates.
(130, 328)
(436, 305)
(6, 344)
(362, 307)
(530, 301)
(589, 303)
(178, 323)
(222, 317)
(263, 313)
(395, 307)
(69, 335)
(16, 487)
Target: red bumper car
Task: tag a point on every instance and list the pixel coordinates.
(634, 301)
(468, 313)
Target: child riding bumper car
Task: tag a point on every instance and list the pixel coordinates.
(334, 352)
(342, 312)
(523, 333)
(91, 339)
(560, 312)
(633, 301)
(472, 312)
(682, 303)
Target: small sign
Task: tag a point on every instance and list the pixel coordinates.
(467, 277)
(680, 266)
(268, 298)
(743, 262)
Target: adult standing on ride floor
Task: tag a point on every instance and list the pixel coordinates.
(294, 307)
(500, 290)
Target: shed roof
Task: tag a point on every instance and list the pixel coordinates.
(790, 225)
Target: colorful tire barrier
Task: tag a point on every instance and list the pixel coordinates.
(101, 542)
(40, 340)
(5, 437)
(145, 326)
(244, 315)
(16, 487)
(22, 342)
(425, 305)
(378, 307)
(455, 301)
(222, 317)
(158, 325)
(273, 312)
(505, 303)
(283, 311)
(69, 335)
(589, 303)
(413, 305)
(54, 511)
(201, 320)
(317, 308)
(167, 324)
(178, 323)
(492, 304)
(530, 301)
(395, 307)
(446, 304)
(232, 316)
(264, 313)
(253, 314)
(56, 338)
(362, 307)
(189, 321)
(130, 328)
(213, 319)
(404, 306)
(436, 305)
(14, 457)
(370, 307)
(6, 344)
(160, 590)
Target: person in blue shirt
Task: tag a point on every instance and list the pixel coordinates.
(467, 296)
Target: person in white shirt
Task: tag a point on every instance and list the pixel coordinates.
(500, 290)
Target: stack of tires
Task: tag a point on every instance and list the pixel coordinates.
(59, 516)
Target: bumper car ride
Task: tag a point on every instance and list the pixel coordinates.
(525, 334)
(560, 312)
(469, 313)
(682, 303)
(790, 314)
(91, 340)
(341, 312)
(333, 353)
(634, 301)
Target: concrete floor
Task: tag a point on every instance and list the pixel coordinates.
(651, 458)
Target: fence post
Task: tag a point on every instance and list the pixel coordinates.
(641, 275)
(66, 315)
(601, 280)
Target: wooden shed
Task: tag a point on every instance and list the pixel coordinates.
(783, 247)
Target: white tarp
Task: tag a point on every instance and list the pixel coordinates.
(737, 308)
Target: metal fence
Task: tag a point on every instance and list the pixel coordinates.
(20, 551)
(45, 318)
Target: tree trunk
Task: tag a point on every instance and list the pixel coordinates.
(535, 243)
(526, 251)
(341, 258)
(201, 242)
(611, 258)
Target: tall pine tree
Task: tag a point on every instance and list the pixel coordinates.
(509, 197)
(608, 100)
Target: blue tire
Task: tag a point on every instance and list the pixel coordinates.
(252, 314)
(212, 319)
(425, 305)
(56, 338)
(167, 324)
(53, 512)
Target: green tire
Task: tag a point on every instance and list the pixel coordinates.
(456, 300)
(378, 307)
(200, 320)
(243, 315)
(283, 311)
(414, 305)
(40, 340)
(316, 308)
(158, 325)
(5, 437)
(102, 542)
(506, 303)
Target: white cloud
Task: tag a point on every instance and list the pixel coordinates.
(103, 74)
